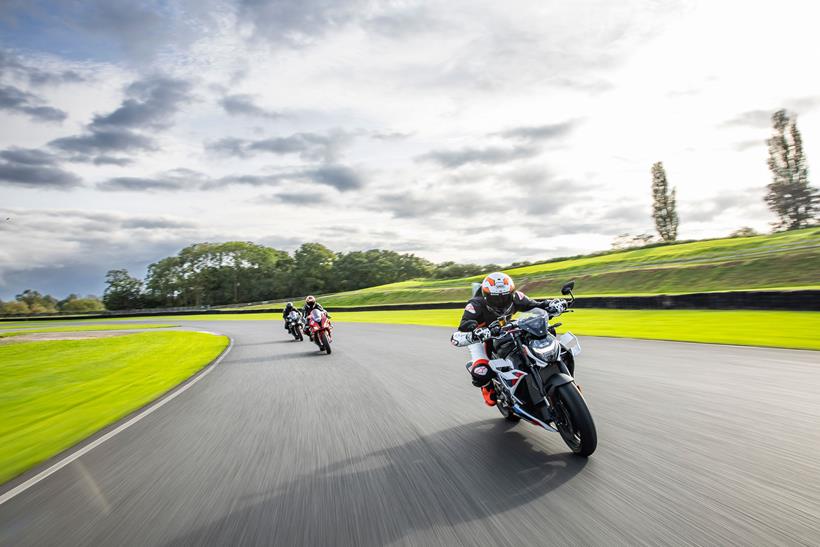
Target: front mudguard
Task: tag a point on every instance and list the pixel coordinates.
(556, 380)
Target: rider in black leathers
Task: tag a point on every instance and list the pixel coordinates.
(288, 308)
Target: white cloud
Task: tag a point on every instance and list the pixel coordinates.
(640, 81)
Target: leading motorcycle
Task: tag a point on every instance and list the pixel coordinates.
(534, 380)
(320, 329)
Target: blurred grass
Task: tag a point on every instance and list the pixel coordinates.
(54, 394)
(80, 328)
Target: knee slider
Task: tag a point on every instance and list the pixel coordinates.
(481, 374)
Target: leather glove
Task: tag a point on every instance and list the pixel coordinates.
(556, 307)
(482, 334)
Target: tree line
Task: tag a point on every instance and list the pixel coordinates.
(30, 301)
(209, 274)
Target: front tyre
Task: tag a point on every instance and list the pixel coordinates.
(323, 342)
(573, 420)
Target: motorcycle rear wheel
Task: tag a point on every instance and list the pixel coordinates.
(573, 420)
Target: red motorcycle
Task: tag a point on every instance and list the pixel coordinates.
(320, 330)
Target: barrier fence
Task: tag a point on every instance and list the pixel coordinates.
(805, 300)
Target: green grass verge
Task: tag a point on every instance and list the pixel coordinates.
(780, 329)
(54, 394)
(81, 328)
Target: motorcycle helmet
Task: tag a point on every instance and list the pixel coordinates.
(497, 289)
(310, 300)
(289, 306)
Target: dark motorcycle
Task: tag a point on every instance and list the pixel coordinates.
(534, 377)
(295, 324)
(320, 329)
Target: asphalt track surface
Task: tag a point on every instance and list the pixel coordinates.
(386, 442)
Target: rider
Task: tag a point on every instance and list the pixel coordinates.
(310, 305)
(498, 298)
(285, 312)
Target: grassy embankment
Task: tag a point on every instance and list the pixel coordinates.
(786, 260)
(53, 394)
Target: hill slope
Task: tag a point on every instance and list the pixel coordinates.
(784, 260)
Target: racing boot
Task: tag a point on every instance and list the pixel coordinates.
(488, 392)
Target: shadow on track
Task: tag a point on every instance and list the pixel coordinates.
(463, 474)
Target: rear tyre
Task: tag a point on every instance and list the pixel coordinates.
(573, 420)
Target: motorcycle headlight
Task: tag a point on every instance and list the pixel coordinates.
(546, 348)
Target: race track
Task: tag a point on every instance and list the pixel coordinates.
(386, 442)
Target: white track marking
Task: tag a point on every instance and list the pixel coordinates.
(22, 487)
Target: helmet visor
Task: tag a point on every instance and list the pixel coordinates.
(499, 303)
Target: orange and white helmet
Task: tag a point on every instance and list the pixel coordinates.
(498, 289)
(310, 300)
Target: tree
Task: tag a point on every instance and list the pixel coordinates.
(790, 195)
(36, 302)
(312, 267)
(663, 204)
(744, 232)
(629, 241)
(74, 304)
(123, 291)
(15, 307)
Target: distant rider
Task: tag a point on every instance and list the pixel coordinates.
(288, 308)
(498, 298)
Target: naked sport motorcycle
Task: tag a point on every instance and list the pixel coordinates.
(534, 377)
(320, 329)
(295, 324)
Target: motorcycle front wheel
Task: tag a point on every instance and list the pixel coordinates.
(299, 335)
(573, 420)
(323, 342)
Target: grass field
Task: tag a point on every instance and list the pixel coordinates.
(4, 333)
(53, 394)
(785, 260)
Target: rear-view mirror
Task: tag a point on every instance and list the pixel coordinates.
(567, 288)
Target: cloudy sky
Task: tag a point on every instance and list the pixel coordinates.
(459, 130)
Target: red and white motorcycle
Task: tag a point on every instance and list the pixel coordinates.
(320, 329)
